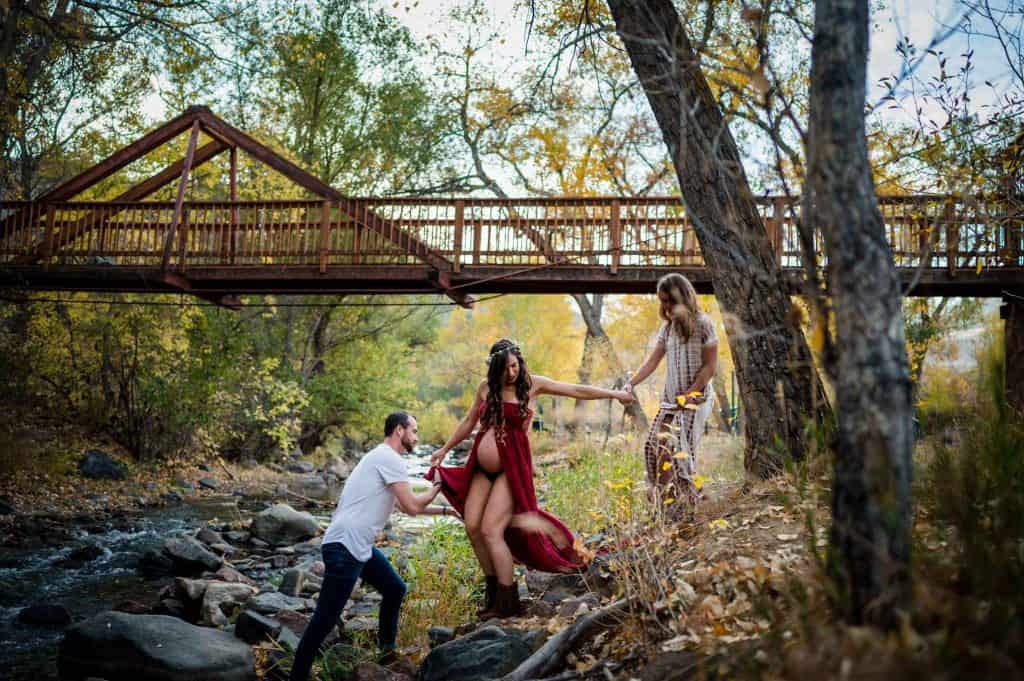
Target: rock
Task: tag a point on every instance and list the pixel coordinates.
(541, 608)
(208, 536)
(226, 573)
(45, 615)
(80, 556)
(97, 465)
(6, 507)
(173, 497)
(254, 628)
(295, 621)
(301, 467)
(287, 637)
(248, 463)
(236, 537)
(121, 647)
(368, 671)
(271, 602)
(581, 605)
(281, 524)
(184, 484)
(155, 563)
(311, 485)
(286, 550)
(204, 467)
(487, 653)
(222, 600)
(292, 582)
(338, 467)
(132, 608)
(209, 483)
(440, 635)
(223, 549)
(171, 607)
(311, 584)
(190, 557)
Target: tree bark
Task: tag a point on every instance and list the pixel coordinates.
(869, 547)
(779, 385)
(592, 309)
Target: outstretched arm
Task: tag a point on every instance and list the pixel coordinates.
(545, 386)
(463, 430)
(648, 367)
(417, 504)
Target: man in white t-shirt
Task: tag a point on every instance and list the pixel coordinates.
(377, 484)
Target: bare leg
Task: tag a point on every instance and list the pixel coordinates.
(472, 517)
(497, 515)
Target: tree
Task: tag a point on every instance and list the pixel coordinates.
(869, 542)
(778, 382)
(67, 64)
(535, 129)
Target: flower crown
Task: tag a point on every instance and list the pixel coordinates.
(514, 347)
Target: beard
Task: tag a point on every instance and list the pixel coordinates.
(408, 445)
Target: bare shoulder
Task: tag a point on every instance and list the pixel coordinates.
(539, 384)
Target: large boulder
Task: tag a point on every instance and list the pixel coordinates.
(313, 486)
(221, 600)
(487, 653)
(121, 647)
(270, 602)
(99, 465)
(190, 557)
(281, 524)
(254, 628)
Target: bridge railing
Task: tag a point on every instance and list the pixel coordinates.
(614, 233)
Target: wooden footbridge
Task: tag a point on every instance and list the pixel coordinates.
(455, 246)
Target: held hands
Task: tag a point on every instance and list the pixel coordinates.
(437, 457)
(625, 396)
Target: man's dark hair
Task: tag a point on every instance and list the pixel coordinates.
(399, 418)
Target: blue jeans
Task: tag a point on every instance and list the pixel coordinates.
(341, 571)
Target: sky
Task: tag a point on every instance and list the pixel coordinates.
(892, 20)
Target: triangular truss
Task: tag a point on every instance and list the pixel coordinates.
(226, 138)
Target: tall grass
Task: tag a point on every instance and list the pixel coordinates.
(443, 579)
(974, 495)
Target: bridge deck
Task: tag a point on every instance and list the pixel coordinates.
(617, 245)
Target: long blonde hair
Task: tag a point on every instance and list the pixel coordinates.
(679, 291)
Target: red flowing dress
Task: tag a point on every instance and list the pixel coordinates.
(534, 549)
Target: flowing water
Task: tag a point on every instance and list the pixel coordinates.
(29, 576)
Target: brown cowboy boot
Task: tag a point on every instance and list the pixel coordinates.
(490, 591)
(506, 603)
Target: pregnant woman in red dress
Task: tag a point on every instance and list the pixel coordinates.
(494, 491)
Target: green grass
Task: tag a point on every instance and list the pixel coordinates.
(443, 579)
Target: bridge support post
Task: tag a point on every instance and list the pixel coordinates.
(1013, 312)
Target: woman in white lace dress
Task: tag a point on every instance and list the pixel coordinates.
(689, 341)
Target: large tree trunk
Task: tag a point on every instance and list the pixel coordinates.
(779, 385)
(870, 538)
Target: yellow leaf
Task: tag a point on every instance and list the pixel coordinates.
(680, 455)
(698, 481)
(695, 393)
(669, 501)
(719, 524)
(681, 400)
(667, 465)
(978, 269)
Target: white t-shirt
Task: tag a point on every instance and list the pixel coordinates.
(366, 501)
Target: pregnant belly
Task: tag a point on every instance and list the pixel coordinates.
(487, 456)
